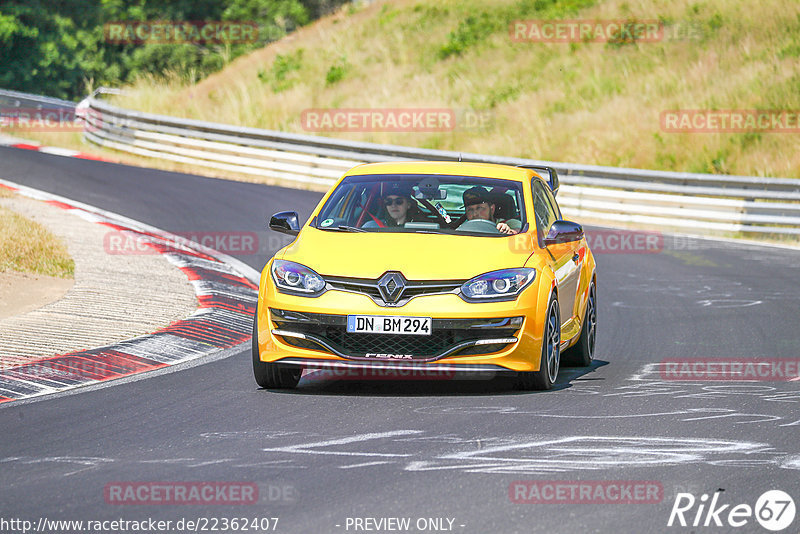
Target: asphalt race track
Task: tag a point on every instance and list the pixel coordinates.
(443, 453)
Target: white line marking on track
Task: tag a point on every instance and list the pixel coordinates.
(304, 448)
(365, 464)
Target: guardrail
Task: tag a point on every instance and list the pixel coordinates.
(700, 202)
(12, 100)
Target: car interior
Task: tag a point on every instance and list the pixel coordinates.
(360, 205)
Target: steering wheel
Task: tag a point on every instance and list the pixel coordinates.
(479, 225)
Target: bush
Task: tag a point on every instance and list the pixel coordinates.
(279, 77)
(337, 71)
(476, 28)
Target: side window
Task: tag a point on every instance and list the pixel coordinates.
(543, 210)
(553, 203)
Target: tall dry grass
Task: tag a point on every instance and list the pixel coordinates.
(591, 103)
(27, 246)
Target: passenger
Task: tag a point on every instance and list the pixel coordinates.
(479, 204)
(399, 204)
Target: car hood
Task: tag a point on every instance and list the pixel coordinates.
(417, 256)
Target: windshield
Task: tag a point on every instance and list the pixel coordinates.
(424, 203)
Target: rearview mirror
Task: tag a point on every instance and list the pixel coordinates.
(285, 222)
(563, 232)
(429, 190)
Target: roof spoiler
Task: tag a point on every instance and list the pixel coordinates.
(552, 179)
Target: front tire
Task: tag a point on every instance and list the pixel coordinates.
(547, 374)
(582, 354)
(272, 375)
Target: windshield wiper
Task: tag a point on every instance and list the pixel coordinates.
(344, 228)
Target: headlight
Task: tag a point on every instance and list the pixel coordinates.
(291, 277)
(506, 284)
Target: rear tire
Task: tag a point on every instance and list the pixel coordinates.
(582, 353)
(272, 375)
(547, 374)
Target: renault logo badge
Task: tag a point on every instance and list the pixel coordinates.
(391, 286)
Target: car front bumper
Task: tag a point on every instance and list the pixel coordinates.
(466, 337)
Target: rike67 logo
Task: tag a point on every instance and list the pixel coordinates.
(774, 510)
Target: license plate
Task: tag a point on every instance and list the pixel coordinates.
(381, 324)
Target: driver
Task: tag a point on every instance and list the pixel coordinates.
(479, 204)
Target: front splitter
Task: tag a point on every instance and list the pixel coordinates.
(311, 363)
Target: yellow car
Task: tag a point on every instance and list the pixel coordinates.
(429, 266)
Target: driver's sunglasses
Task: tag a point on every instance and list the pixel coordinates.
(396, 201)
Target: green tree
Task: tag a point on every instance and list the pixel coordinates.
(58, 47)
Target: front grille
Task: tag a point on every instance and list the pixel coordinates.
(419, 346)
(331, 330)
(413, 288)
(355, 285)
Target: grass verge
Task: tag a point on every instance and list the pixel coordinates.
(27, 246)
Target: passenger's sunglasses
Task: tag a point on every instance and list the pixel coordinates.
(396, 201)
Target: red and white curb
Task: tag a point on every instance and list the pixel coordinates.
(55, 151)
(226, 289)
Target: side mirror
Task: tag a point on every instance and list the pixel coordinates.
(285, 222)
(563, 232)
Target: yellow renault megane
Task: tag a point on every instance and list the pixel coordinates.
(429, 266)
